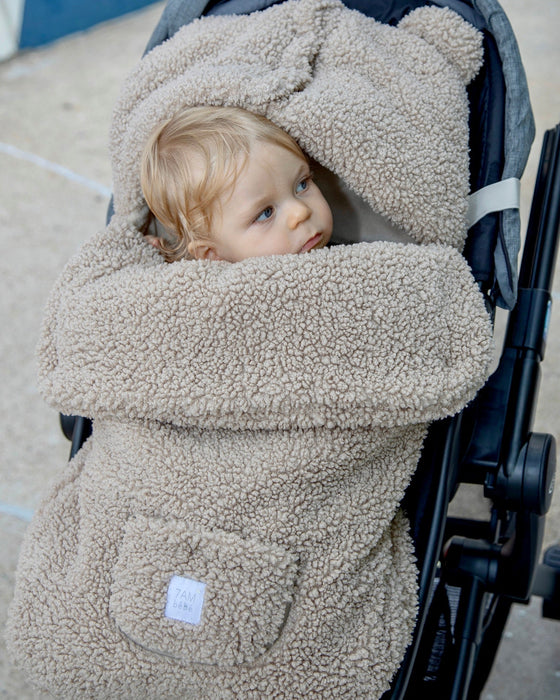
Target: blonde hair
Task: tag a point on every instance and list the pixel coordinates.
(180, 193)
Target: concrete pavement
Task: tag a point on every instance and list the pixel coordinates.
(55, 110)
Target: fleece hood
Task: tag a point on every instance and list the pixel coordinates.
(384, 108)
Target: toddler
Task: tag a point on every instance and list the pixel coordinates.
(228, 184)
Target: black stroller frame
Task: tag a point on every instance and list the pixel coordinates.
(471, 571)
(496, 562)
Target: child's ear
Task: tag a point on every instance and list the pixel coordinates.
(153, 240)
(203, 250)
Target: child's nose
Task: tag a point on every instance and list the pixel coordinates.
(297, 213)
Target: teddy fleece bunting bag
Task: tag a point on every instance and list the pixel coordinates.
(232, 527)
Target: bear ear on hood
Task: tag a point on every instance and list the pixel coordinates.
(451, 35)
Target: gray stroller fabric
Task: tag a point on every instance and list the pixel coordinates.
(232, 528)
(176, 14)
(518, 137)
(240, 7)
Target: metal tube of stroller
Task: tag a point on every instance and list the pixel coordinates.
(537, 267)
(469, 623)
(528, 324)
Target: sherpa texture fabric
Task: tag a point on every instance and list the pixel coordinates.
(232, 527)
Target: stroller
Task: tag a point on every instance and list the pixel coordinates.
(470, 571)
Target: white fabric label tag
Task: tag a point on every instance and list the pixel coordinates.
(185, 598)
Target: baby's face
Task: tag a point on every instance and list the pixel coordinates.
(274, 208)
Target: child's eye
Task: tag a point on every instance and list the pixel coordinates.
(265, 214)
(303, 185)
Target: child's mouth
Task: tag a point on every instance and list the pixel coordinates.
(311, 243)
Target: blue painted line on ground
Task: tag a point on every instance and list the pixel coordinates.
(15, 152)
(17, 511)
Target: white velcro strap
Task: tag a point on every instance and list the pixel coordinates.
(497, 197)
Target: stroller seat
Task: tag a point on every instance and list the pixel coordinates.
(278, 489)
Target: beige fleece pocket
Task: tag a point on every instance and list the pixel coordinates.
(208, 597)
